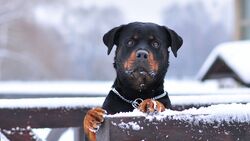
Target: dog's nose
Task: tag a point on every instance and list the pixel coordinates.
(142, 54)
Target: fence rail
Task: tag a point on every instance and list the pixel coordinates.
(171, 130)
(16, 124)
(19, 116)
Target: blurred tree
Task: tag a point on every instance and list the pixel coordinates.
(85, 28)
(201, 29)
(28, 52)
(53, 40)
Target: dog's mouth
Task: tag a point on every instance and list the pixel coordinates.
(140, 72)
(141, 77)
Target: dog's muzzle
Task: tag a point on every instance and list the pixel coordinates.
(142, 55)
(142, 63)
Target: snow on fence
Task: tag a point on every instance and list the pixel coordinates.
(19, 116)
(217, 122)
(227, 122)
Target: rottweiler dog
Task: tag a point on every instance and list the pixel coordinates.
(141, 62)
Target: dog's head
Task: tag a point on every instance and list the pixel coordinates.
(142, 52)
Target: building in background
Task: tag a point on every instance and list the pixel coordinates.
(229, 61)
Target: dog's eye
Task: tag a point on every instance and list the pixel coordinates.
(130, 43)
(155, 44)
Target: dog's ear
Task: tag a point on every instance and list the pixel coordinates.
(111, 37)
(176, 40)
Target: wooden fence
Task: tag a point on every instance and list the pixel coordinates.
(141, 129)
(224, 122)
(17, 124)
(19, 116)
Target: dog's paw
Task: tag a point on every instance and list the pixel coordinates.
(92, 122)
(151, 106)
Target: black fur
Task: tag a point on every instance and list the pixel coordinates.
(142, 81)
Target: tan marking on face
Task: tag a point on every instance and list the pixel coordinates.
(153, 63)
(129, 62)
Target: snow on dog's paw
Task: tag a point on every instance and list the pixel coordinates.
(151, 106)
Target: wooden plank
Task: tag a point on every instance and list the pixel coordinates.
(41, 117)
(59, 117)
(142, 129)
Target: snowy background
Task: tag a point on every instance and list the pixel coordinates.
(62, 39)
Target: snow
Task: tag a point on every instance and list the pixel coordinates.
(3, 138)
(235, 55)
(41, 133)
(56, 87)
(183, 92)
(68, 135)
(51, 102)
(132, 125)
(209, 99)
(88, 88)
(216, 113)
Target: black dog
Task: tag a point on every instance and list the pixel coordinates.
(141, 62)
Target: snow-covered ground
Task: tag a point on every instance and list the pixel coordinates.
(51, 102)
(181, 93)
(55, 87)
(101, 88)
(97, 101)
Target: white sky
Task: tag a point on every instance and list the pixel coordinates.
(142, 10)
(136, 10)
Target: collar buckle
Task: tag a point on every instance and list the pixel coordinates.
(136, 102)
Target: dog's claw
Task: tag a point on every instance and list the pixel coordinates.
(94, 129)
